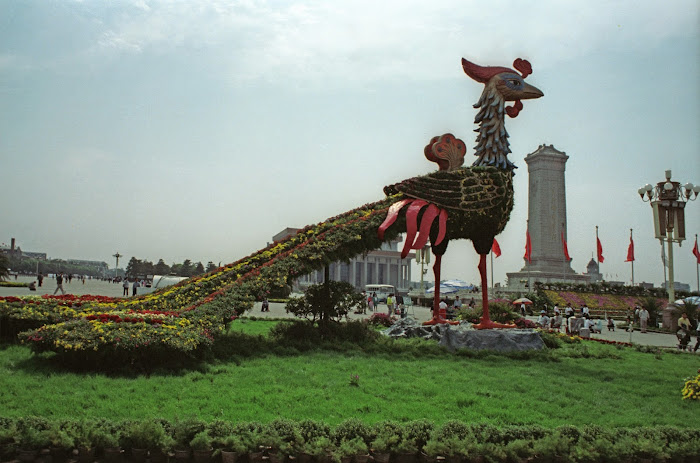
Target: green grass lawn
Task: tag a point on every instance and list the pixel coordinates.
(586, 383)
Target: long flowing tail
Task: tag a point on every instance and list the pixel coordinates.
(189, 314)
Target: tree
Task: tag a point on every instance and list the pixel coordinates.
(146, 268)
(4, 271)
(198, 269)
(186, 269)
(211, 267)
(326, 302)
(132, 268)
(176, 269)
(161, 268)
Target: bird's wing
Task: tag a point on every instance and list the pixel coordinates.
(476, 189)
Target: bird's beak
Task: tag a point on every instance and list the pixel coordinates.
(529, 92)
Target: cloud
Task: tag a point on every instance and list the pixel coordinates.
(367, 40)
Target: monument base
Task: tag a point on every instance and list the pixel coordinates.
(521, 280)
(466, 337)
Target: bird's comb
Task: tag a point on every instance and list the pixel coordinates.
(484, 73)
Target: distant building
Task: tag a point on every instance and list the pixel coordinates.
(678, 286)
(88, 263)
(16, 252)
(593, 272)
(382, 266)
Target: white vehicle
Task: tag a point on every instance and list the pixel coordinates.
(161, 281)
(382, 291)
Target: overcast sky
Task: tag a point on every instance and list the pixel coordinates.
(199, 129)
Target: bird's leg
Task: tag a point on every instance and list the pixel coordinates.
(436, 299)
(486, 322)
(436, 296)
(486, 318)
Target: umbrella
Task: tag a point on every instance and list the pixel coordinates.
(522, 300)
(695, 300)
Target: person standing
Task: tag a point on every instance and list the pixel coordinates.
(59, 284)
(40, 279)
(370, 303)
(611, 324)
(643, 318)
(390, 303)
(265, 305)
(375, 301)
(125, 285)
(133, 288)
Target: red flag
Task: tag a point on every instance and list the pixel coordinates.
(601, 259)
(566, 248)
(630, 251)
(495, 248)
(528, 246)
(696, 253)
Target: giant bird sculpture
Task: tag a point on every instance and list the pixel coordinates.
(466, 202)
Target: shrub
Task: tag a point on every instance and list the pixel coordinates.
(499, 311)
(381, 319)
(201, 441)
(351, 428)
(691, 388)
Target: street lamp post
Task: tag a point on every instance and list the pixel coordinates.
(668, 200)
(116, 266)
(423, 258)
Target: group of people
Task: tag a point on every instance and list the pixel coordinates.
(571, 322)
(134, 287)
(641, 316)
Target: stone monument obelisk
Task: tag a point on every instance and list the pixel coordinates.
(546, 221)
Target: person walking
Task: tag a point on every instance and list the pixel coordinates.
(125, 285)
(40, 279)
(643, 318)
(59, 284)
(390, 303)
(370, 303)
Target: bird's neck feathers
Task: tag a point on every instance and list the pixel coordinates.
(492, 145)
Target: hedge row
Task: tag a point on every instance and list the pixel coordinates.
(454, 440)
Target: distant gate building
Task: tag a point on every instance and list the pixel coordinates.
(383, 266)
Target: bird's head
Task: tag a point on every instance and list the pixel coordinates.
(507, 82)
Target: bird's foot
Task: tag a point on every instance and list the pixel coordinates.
(440, 321)
(489, 325)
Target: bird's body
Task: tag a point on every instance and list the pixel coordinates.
(466, 203)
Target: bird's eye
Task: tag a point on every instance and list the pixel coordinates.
(515, 83)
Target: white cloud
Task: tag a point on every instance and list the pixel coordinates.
(368, 40)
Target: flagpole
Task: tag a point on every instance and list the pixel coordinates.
(529, 280)
(632, 259)
(697, 265)
(492, 284)
(597, 253)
